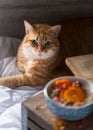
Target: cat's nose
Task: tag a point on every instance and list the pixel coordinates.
(40, 49)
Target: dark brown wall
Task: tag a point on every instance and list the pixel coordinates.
(13, 12)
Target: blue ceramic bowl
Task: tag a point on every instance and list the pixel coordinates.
(69, 113)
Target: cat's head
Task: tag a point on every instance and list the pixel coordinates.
(41, 40)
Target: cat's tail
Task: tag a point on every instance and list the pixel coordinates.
(12, 81)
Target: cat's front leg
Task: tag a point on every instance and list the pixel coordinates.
(21, 67)
(13, 81)
(35, 80)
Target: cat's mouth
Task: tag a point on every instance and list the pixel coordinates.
(40, 55)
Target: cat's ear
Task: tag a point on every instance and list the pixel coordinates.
(54, 30)
(28, 27)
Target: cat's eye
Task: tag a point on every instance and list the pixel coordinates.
(48, 43)
(34, 42)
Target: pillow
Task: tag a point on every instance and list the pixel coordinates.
(8, 67)
(8, 46)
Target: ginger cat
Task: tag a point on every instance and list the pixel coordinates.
(38, 56)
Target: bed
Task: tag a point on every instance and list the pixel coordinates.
(12, 15)
(11, 117)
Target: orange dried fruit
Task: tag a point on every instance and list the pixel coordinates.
(58, 124)
(74, 94)
(62, 82)
(61, 93)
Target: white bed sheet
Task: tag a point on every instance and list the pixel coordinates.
(13, 115)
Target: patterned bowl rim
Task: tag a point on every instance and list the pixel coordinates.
(68, 77)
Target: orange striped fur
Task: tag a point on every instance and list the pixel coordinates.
(37, 57)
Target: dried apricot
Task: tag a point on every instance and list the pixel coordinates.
(74, 94)
(61, 82)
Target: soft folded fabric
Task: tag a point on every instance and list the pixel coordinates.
(12, 116)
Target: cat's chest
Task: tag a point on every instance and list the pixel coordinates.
(28, 54)
(33, 66)
(30, 64)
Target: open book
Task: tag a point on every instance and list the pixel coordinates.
(81, 66)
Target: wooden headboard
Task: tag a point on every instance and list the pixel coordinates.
(13, 13)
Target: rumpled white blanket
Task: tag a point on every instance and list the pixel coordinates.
(12, 115)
